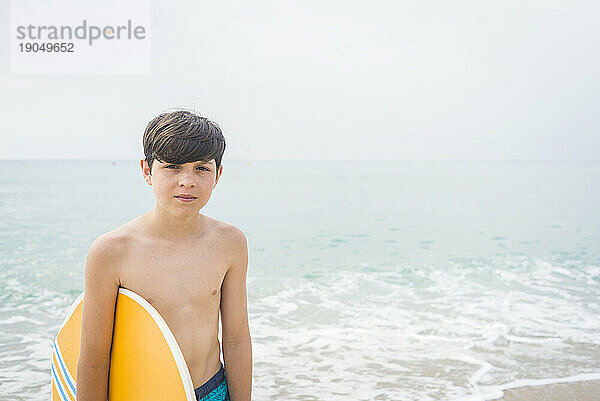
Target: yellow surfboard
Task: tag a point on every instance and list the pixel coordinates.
(146, 363)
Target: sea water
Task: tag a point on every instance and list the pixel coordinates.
(367, 280)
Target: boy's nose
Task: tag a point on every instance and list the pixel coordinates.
(186, 181)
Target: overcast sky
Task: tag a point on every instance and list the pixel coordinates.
(460, 80)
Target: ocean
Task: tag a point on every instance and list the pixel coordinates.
(367, 280)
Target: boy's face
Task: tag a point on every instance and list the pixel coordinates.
(169, 181)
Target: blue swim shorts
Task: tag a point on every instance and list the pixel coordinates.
(215, 389)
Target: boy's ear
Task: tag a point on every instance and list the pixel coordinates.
(219, 172)
(146, 171)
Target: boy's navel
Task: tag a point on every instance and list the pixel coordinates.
(214, 292)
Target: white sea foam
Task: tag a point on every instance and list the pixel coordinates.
(357, 327)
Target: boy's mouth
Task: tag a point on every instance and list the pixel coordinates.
(185, 197)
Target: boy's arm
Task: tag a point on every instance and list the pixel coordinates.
(236, 342)
(101, 289)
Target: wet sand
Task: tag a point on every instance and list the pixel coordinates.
(576, 391)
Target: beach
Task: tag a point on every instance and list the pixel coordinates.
(578, 391)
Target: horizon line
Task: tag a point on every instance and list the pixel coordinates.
(321, 159)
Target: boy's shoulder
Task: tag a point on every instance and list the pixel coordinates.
(230, 231)
(228, 234)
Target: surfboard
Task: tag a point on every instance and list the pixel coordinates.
(146, 362)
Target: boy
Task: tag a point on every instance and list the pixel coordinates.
(187, 265)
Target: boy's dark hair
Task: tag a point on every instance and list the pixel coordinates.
(182, 137)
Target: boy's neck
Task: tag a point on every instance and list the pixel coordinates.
(167, 227)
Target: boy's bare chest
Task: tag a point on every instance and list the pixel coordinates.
(176, 280)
